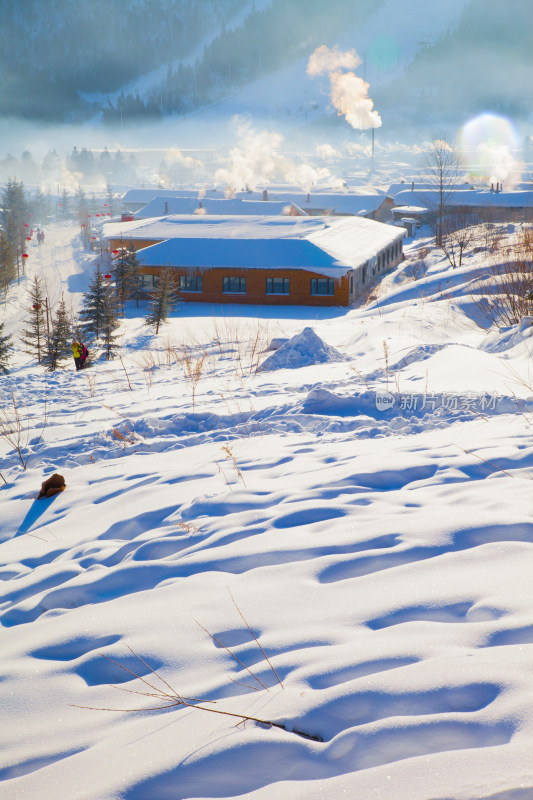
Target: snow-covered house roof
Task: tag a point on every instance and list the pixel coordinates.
(317, 244)
(163, 205)
(334, 202)
(404, 186)
(471, 198)
(136, 198)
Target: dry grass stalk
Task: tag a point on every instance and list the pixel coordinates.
(125, 439)
(90, 377)
(193, 368)
(170, 698)
(226, 449)
(126, 373)
(232, 654)
(188, 527)
(503, 295)
(17, 423)
(255, 638)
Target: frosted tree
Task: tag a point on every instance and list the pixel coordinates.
(109, 325)
(5, 350)
(8, 270)
(162, 302)
(33, 336)
(125, 271)
(14, 214)
(58, 347)
(93, 311)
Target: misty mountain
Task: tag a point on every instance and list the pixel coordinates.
(483, 64)
(68, 60)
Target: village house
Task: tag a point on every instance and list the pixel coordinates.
(163, 206)
(372, 205)
(485, 204)
(135, 199)
(326, 261)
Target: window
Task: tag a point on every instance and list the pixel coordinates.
(277, 286)
(190, 283)
(149, 283)
(322, 286)
(233, 285)
(363, 274)
(351, 283)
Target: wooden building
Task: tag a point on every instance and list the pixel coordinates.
(324, 261)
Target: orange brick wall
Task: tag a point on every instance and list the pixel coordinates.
(300, 287)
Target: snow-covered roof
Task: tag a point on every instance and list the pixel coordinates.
(472, 198)
(403, 186)
(335, 202)
(162, 205)
(137, 196)
(403, 210)
(318, 244)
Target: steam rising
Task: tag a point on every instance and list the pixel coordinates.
(492, 144)
(257, 161)
(349, 93)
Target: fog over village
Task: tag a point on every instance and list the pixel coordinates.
(266, 386)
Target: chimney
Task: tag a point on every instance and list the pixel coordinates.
(492, 187)
(412, 186)
(265, 194)
(200, 204)
(308, 198)
(166, 207)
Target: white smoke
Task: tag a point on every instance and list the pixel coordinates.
(253, 161)
(327, 152)
(500, 163)
(356, 149)
(325, 60)
(257, 160)
(349, 93)
(307, 176)
(71, 180)
(175, 156)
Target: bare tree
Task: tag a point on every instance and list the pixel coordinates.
(459, 233)
(443, 172)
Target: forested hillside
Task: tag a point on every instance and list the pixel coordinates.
(68, 60)
(52, 49)
(483, 64)
(52, 52)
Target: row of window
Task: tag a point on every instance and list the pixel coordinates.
(237, 285)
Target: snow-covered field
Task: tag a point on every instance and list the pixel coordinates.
(381, 554)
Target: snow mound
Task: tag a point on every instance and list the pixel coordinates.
(303, 350)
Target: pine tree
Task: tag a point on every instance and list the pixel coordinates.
(58, 343)
(5, 348)
(14, 213)
(126, 275)
(109, 323)
(93, 313)
(8, 271)
(33, 337)
(162, 302)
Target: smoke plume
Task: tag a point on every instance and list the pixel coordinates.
(349, 93)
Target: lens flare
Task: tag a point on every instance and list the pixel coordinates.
(489, 145)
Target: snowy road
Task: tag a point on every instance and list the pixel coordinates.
(63, 266)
